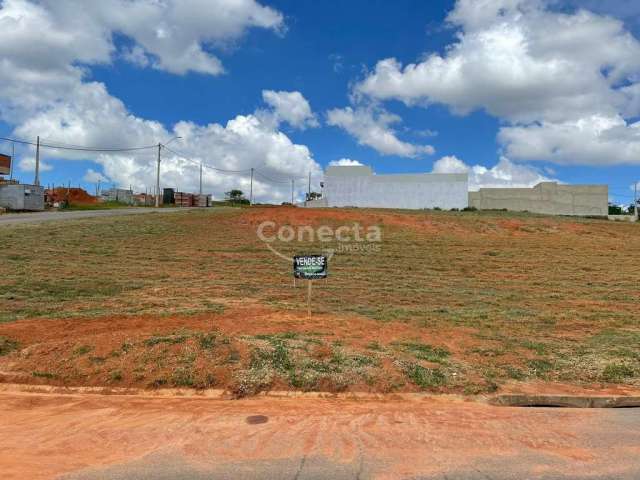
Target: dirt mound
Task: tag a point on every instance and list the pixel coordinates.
(243, 350)
(425, 221)
(76, 196)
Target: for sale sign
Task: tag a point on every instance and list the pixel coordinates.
(5, 164)
(310, 267)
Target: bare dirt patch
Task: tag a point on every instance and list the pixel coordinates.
(328, 352)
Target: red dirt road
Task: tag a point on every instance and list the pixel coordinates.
(82, 436)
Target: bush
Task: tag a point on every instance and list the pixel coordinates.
(469, 209)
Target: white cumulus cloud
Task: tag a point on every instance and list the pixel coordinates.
(92, 176)
(566, 84)
(504, 174)
(177, 35)
(28, 164)
(47, 47)
(291, 107)
(373, 128)
(345, 162)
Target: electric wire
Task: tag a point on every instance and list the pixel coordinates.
(62, 146)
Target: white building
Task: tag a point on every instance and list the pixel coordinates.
(359, 186)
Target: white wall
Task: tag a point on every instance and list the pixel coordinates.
(359, 187)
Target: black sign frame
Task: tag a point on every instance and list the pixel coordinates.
(310, 267)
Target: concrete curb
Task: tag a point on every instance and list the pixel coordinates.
(219, 394)
(568, 401)
(505, 400)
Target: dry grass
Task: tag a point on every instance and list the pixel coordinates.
(452, 301)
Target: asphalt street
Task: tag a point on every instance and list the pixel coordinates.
(136, 437)
(39, 217)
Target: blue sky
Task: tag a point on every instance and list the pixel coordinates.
(325, 51)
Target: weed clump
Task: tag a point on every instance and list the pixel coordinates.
(7, 345)
(423, 351)
(617, 373)
(168, 339)
(423, 377)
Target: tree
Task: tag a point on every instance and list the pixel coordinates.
(236, 196)
(313, 196)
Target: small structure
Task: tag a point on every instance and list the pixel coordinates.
(201, 200)
(183, 199)
(143, 199)
(547, 197)
(117, 195)
(15, 196)
(5, 164)
(168, 196)
(358, 186)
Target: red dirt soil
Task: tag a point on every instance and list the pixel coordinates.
(77, 196)
(50, 344)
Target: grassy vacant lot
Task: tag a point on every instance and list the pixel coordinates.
(448, 301)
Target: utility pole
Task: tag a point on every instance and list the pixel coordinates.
(13, 159)
(251, 189)
(36, 181)
(200, 178)
(157, 192)
(309, 193)
(635, 200)
(158, 178)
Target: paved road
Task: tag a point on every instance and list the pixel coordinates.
(38, 217)
(117, 437)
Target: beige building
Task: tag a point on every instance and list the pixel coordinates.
(547, 198)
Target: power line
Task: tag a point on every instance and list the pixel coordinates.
(53, 144)
(62, 146)
(269, 179)
(221, 170)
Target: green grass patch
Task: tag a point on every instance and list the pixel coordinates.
(7, 345)
(423, 351)
(96, 206)
(617, 373)
(82, 350)
(540, 367)
(424, 378)
(168, 339)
